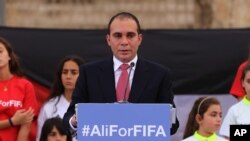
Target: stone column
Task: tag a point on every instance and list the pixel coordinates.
(2, 12)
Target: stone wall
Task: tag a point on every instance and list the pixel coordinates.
(153, 14)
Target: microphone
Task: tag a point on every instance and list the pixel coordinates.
(132, 64)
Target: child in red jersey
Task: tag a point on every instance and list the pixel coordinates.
(17, 97)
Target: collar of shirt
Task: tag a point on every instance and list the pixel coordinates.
(117, 63)
(202, 138)
(246, 101)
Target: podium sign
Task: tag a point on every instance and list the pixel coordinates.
(123, 122)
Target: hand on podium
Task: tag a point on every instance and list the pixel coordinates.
(73, 120)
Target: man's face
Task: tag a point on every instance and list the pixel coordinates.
(124, 39)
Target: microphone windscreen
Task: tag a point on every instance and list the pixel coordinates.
(132, 64)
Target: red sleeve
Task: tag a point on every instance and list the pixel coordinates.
(30, 98)
(237, 89)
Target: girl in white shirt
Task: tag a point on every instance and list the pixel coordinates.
(62, 89)
(204, 121)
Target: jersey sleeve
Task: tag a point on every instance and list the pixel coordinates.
(30, 98)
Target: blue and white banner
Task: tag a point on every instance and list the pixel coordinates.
(123, 122)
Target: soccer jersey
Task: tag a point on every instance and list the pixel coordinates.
(238, 113)
(198, 137)
(15, 94)
(51, 109)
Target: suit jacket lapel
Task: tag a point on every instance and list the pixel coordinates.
(107, 81)
(139, 81)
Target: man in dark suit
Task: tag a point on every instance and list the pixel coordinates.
(98, 81)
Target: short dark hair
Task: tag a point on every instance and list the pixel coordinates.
(123, 15)
(48, 126)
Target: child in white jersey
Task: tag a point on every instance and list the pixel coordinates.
(204, 121)
(62, 89)
(239, 112)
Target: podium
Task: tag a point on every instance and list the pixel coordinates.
(123, 122)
